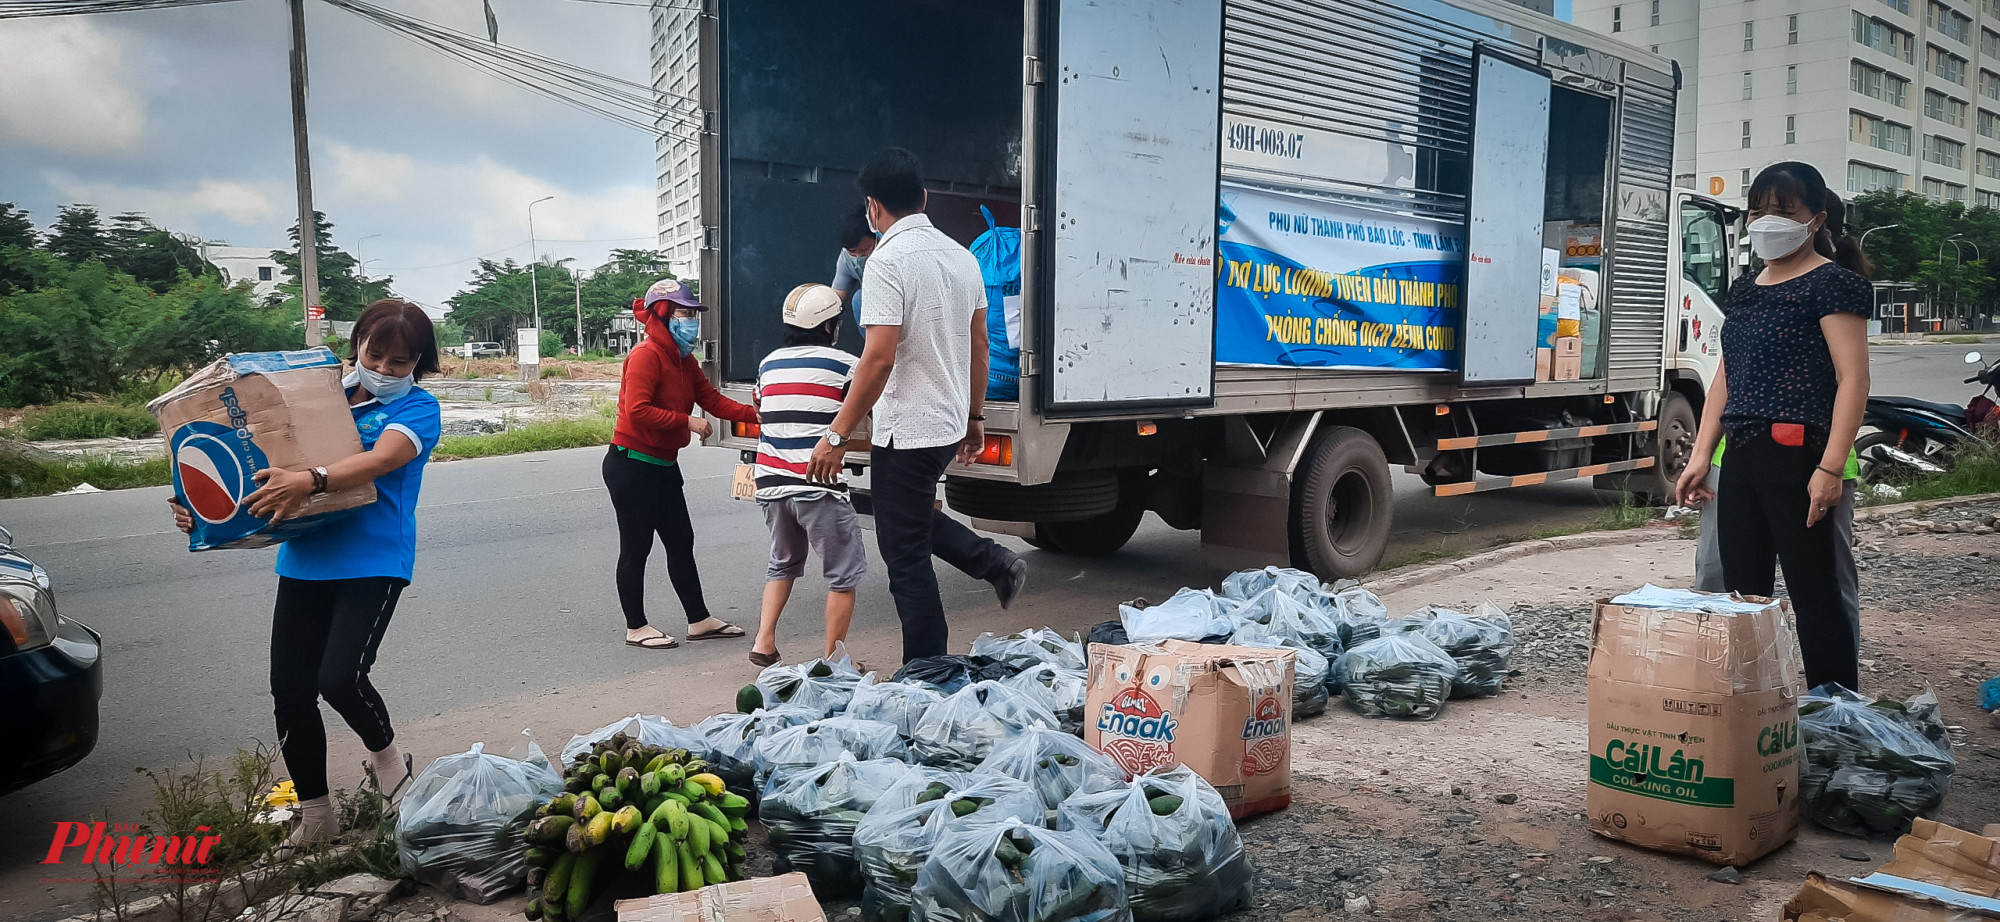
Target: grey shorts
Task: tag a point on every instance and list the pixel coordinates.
(823, 522)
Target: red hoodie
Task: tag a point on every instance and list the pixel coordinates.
(659, 391)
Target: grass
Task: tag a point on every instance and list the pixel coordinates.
(1974, 469)
(21, 476)
(557, 370)
(541, 435)
(77, 420)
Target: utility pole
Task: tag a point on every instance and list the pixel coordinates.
(308, 224)
(577, 277)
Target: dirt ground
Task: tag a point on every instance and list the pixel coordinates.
(505, 367)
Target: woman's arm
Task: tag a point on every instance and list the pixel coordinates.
(710, 399)
(1692, 489)
(284, 493)
(1847, 341)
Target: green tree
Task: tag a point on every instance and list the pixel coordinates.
(78, 235)
(16, 229)
(1940, 247)
(343, 291)
(153, 256)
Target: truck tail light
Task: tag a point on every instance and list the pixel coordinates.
(999, 451)
(746, 430)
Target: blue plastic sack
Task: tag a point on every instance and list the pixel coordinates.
(999, 254)
(1989, 694)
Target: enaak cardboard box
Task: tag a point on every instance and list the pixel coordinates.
(247, 412)
(1223, 711)
(785, 898)
(1938, 874)
(1694, 739)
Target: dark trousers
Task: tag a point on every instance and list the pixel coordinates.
(648, 500)
(909, 529)
(1761, 521)
(323, 639)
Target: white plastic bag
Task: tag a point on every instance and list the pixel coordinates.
(459, 827)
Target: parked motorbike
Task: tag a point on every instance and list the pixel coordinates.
(1911, 435)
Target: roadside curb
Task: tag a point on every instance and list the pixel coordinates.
(1873, 514)
(1421, 574)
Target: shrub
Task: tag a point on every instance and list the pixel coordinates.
(542, 435)
(555, 370)
(20, 476)
(89, 421)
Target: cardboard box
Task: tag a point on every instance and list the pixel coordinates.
(1566, 368)
(1937, 874)
(251, 411)
(1694, 741)
(1569, 346)
(785, 898)
(1223, 711)
(1544, 364)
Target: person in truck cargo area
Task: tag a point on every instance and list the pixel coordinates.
(799, 389)
(857, 243)
(661, 386)
(1789, 393)
(338, 586)
(923, 375)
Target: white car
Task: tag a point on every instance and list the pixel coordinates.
(481, 350)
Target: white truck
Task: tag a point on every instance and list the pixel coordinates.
(1269, 247)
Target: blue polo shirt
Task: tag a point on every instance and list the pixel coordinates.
(379, 539)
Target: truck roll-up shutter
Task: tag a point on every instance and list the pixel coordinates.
(1642, 230)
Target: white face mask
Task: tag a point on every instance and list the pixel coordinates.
(385, 388)
(1776, 237)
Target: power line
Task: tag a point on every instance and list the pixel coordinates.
(24, 9)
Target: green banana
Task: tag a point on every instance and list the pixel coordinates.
(712, 870)
(642, 846)
(690, 868)
(557, 885)
(578, 898)
(666, 866)
(698, 833)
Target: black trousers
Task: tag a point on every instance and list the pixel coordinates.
(323, 639)
(910, 529)
(649, 501)
(1761, 521)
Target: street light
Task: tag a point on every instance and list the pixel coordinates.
(1864, 234)
(534, 290)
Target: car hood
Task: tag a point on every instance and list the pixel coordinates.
(15, 566)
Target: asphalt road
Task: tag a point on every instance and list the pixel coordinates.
(513, 621)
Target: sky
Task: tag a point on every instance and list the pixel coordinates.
(184, 114)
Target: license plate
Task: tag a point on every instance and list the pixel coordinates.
(744, 484)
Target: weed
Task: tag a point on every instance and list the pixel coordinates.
(21, 476)
(555, 370)
(1972, 468)
(542, 435)
(1623, 515)
(88, 421)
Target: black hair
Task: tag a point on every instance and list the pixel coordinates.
(1792, 182)
(854, 229)
(823, 335)
(896, 179)
(391, 324)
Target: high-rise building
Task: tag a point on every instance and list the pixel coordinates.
(676, 150)
(1896, 94)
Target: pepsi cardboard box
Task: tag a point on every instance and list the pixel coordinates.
(1223, 711)
(1694, 724)
(247, 412)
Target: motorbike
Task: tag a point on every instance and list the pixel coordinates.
(1911, 435)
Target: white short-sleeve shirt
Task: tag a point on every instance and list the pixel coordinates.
(923, 281)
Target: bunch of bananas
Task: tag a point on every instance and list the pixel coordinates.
(657, 810)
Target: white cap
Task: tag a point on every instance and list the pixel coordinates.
(810, 305)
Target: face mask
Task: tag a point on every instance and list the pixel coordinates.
(685, 331)
(858, 263)
(1776, 237)
(385, 388)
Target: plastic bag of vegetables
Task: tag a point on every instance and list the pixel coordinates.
(1872, 765)
(459, 826)
(1172, 834)
(819, 685)
(811, 813)
(961, 731)
(822, 741)
(1247, 584)
(1055, 764)
(896, 837)
(950, 672)
(1280, 614)
(1358, 615)
(1310, 677)
(1029, 648)
(1401, 675)
(1017, 872)
(729, 741)
(1481, 643)
(896, 703)
(1060, 689)
(648, 730)
(1192, 614)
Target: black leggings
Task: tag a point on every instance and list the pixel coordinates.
(323, 639)
(1761, 521)
(649, 500)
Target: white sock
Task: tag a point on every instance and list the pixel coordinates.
(388, 765)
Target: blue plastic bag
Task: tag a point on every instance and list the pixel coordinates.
(1989, 694)
(999, 254)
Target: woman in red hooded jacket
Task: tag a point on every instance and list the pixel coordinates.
(656, 399)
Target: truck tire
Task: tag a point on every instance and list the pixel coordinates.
(1673, 448)
(1068, 498)
(1341, 505)
(1098, 536)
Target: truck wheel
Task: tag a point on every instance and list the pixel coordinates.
(1341, 505)
(1068, 498)
(1098, 536)
(1673, 448)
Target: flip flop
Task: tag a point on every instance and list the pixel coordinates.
(661, 642)
(409, 772)
(765, 660)
(726, 630)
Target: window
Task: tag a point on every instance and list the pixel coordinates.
(1876, 133)
(1989, 43)
(1945, 64)
(1746, 84)
(263, 273)
(1864, 178)
(1989, 200)
(1944, 152)
(1749, 36)
(1745, 182)
(1791, 80)
(1617, 19)
(1869, 81)
(1989, 84)
(1989, 164)
(1901, 6)
(1791, 129)
(1944, 191)
(1884, 38)
(1952, 23)
(1990, 7)
(1746, 135)
(1704, 250)
(1792, 29)
(1989, 125)
(1654, 18)
(1944, 108)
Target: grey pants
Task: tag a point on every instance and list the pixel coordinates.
(824, 523)
(1708, 552)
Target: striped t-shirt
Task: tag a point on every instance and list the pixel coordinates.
(799, 390)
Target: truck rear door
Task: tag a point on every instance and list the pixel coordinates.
(1121, 248)
(1510, 149)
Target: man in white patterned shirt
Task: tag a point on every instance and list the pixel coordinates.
(799, 390)
(923, 374)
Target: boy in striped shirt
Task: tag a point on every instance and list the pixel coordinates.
(799, 390)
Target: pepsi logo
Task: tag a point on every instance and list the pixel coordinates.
(210, 476)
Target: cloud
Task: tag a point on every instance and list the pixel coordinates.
(181, 205)
(68, 90)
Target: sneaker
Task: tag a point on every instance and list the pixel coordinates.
(1008, 585)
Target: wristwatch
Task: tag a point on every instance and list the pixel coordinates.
(835, 439)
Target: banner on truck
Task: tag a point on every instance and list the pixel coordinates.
(1306, 283)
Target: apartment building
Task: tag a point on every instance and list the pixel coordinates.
(1895, 94)
(676, 150)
